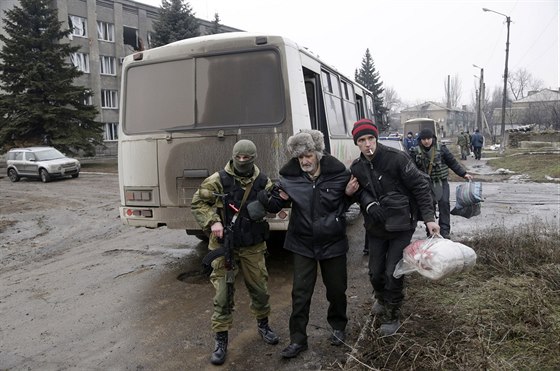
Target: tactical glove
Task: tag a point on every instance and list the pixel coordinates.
(256, 210)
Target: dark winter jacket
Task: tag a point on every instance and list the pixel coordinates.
(317, 227)
(477, 140)
(392, 170)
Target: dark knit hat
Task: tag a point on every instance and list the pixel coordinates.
(364, 127)
(426, 134)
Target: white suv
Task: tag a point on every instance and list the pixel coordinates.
(44, 163)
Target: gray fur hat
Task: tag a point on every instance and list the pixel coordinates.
(306, 141)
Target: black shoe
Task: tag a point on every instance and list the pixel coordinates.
(337, 338)
(220, 350)
(293, 350)
(266, 332)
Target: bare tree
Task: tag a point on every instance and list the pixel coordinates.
(392, 100)
(521, 81)
(545, 115)
(452, 88)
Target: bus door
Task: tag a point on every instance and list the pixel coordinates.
(316, 105)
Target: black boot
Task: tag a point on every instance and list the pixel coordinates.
(220, 350)
(266, 332)
(391, 320)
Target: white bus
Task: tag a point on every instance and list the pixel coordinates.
(185, 104)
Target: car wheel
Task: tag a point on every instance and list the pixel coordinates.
(45, 177)
(75, 175)
(13, 175)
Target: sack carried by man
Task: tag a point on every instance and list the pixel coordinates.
(435, 258)
(468, 194)
(468, 199)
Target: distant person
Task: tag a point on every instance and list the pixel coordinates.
(463, 143)
(469, 142)
(477, 143)
(314, 184)
(242, 180)
(409, 141)
(382, 171)
(435, 160)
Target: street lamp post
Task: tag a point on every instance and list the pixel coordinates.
(480, 99)
(508, 21)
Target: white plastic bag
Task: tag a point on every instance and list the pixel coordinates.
(435, 258)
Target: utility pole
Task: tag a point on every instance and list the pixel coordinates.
(508, 21)
(481, 98)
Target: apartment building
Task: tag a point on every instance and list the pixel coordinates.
(106, 31)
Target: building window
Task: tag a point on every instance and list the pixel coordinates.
(80, 61)
(105, 31)
(108, 65)
(78, 25)
(109, 99)
(88, 98)
(111, 131)
(130, 38)
(150, 39)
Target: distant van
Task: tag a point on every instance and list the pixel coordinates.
(416, 125)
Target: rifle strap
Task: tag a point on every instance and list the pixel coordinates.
(246, 194)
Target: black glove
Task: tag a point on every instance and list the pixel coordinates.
(256, 210)
(376, 212)
(263, 197)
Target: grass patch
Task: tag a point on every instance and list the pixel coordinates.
(535, 165)
(502, 315)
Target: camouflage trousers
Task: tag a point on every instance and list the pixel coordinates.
(250, 262)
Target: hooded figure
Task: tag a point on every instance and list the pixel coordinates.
(244, 155)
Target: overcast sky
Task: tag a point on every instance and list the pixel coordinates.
(414, 44)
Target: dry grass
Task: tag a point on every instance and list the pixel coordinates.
(503, 315)
(536, 165)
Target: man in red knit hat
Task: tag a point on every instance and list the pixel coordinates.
(387, 176)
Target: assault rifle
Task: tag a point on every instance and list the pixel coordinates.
(227, 246)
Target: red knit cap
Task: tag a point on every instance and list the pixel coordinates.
(364, 127)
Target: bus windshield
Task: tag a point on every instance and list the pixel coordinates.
(211, 91)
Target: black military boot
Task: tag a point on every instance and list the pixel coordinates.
(220, 350)
(266, 332)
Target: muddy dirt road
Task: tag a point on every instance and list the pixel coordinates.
(81, 291)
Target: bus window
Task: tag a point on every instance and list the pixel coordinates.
(158, 96)
(230, 90)
(349, 105)
(333, 105)
(239, 89)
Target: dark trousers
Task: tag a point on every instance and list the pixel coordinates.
(444, 209)
(335, 279)
(384, 254)
(477, 152)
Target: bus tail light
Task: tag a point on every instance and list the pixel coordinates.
(140, 213)
(138, 195)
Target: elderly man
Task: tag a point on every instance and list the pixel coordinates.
(387, 176)
(314, 184)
